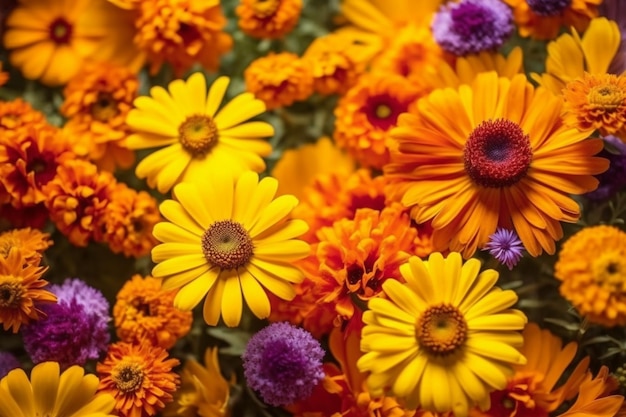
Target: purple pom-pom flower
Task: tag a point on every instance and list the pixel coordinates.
(506, 247)
(471, 26)
(8, 362)
(283, 363)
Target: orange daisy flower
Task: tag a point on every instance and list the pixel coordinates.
(597, 101)
(128, 221)
(18, 113)
(457, 170)
(21, 291)
(271, 19)
(194, 34)
(139, 377)
(144, 312)
(279, 79)
(96, 103)
(541, 19)
(592, 397)
(30, 242)
(367, 112)
(77, 198)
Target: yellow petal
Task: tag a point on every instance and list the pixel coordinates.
(231, 301)
(213, 303)
(249, 130)
(216, 95)
(255, 296)
(189, 296)
(170, 232)
(45, 381)
(174, 212)
(21, 391)
(194, 201)
(178, 264)
(176, 281)
(288, 251)
(276, 211)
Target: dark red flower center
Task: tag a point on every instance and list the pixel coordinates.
(497, 154)
(548, 7)
(382, 111)
(60, 31)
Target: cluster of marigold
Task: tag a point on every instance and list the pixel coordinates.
(457, 152)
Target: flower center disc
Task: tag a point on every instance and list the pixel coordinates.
(382, 111)
(265, 8)
(128, 377)
(104, 108)
(606, 97)
(198, 134)
(227, 244)
(469, 18)
(441, 330)
(10, 292)
(609, 270)
(497, 154)
(548, 7)
(60, 31)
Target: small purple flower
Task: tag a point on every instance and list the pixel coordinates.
(613, 179)
(548, 7)
(505, 246)
(283, 363)
(75, 329)
(471, 26)
(8, 362)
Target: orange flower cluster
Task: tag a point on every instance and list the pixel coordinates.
(270, 19)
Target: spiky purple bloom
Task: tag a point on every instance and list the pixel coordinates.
(548, 7)
(471, 26)
(613, 179)
(505, 246)
(616, 10)
(8, 362)
(283, 363)
(75, 329)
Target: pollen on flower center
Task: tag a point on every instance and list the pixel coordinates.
(265, 8)
(548, 7)
(441, 329)
(10, 293)
(60, 31)
(227, 244)
(127, 377)
(497, 154)
(198, 134)
(606, 97)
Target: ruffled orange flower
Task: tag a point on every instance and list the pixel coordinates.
(97, 101)
(367, 112)
(336, 63)
(279, 79)
(139, 377)
(593, 399)
(18, 113)
(31, 243)
(77, 198)
(144, 313)
(544, 19)
(597, 101)
(181, 33)
(50, 40)
(531, 390)
(271, 19)
(128, 222)
(21, 291)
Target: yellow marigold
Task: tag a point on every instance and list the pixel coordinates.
(271, 19)
(77, 198)
(4, 76)
(592, 398)
(139, 377)
(18, 113)
(570, 56)
(50, 40)
(21, 291)
(532, 391)
(336, 63)
(592, 271)
(198, 139)
(143, 312)
(597, 101)
(128, 221)
(53, 393)
(279, 79)
(182, 33)
(367, 112)
(29, 159)
(542, 19)
(97, 101)
(203, 391)
(30, 242)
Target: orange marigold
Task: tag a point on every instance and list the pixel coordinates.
(21, 290)
(30, 242)
(139, 377)
(77, 198)
(279, 79)
(181, 33)
(336, 63)
(18, 113)
(144, 312)
(96, 103)
(368, 111)
(128, 221)
(271, 19)
(597, 101)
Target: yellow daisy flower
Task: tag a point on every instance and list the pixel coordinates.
(197, 140)
(226, 237)
(443, 340)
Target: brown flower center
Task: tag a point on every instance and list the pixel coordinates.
(105, 108)
(609, 270)
(265, 8)
(11, 291)
(227, 244)
(127, 376)
(607, 97)
(198, 134)
(441, 330)
(60, 31)
(382, 111)
(497, 154)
